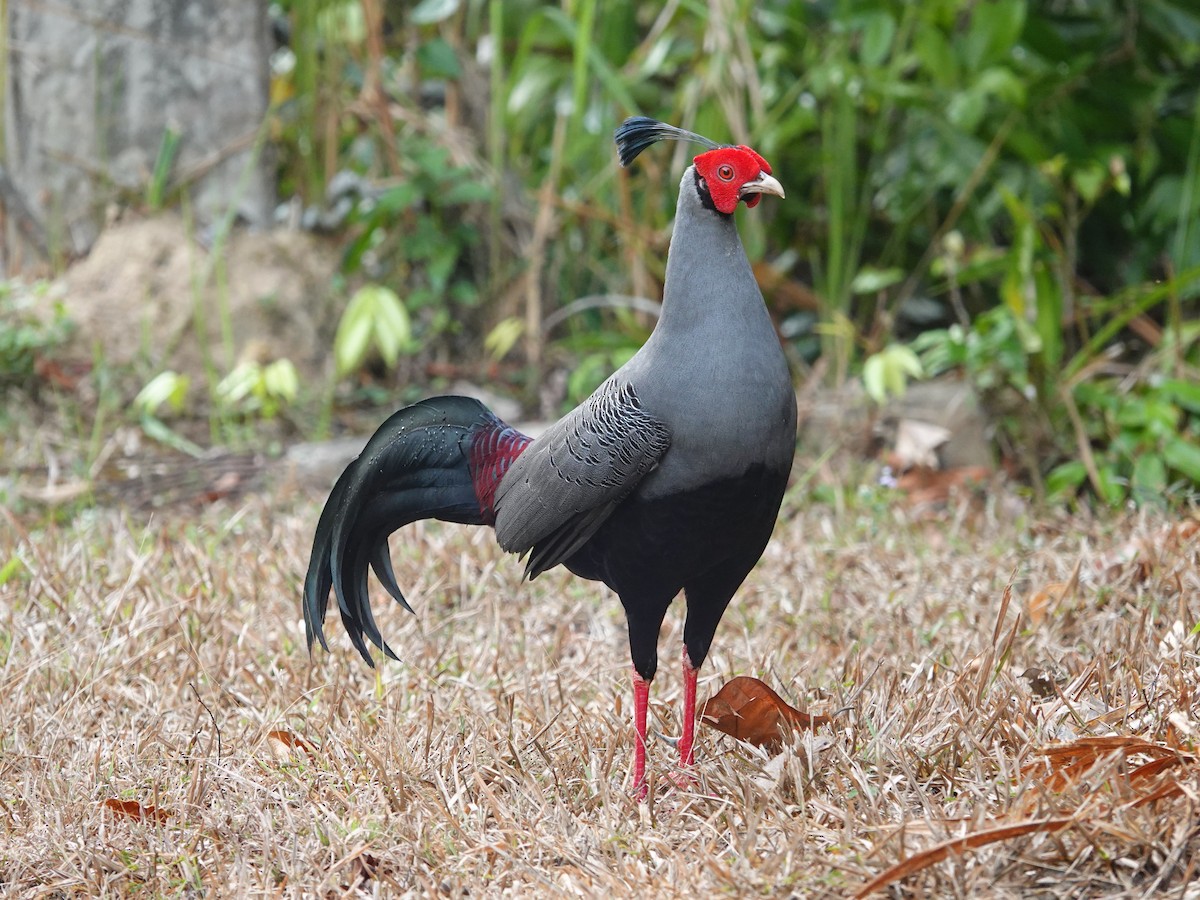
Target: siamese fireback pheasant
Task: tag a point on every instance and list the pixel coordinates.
(667, 479)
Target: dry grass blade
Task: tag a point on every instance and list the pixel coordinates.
(493, 759)
(1044, 601)
(1065, 765)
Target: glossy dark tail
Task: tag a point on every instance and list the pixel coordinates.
(432, 460)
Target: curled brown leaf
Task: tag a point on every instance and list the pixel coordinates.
(284, 745)
(135, 810)
(748, 709)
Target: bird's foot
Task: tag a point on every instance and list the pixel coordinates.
(640, 790)
(684, 780)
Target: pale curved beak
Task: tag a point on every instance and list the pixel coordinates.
(763, 184)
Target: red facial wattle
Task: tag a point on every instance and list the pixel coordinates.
(727, 171)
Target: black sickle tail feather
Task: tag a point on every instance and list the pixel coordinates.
(417, 465)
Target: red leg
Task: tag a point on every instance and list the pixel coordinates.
(641, 701)
(686, 757)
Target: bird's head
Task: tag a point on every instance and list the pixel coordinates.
(727, 174)
(730, 174)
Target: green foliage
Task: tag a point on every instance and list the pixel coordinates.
(1144, 440)
(601, 351)
(1130, 436)
(168, 149)
(887, 373)
(503, 337)
(375, 317)
(27, 335)
(1059, 129)
(414, 234)
(256, 389)
(1028, 171)
(994, 353)
(168, 389)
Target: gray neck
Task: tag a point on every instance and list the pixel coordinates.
(706, 263)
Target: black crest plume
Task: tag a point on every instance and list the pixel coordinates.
(637, 133)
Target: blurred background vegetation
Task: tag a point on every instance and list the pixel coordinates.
(998, 191)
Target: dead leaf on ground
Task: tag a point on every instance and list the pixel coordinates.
(1140, 556)
(1043, 602)
(1066, 766)
(747, 709)
(925, 485)
(284, 744)
(938, 852)
(135, 810)
(917, 444)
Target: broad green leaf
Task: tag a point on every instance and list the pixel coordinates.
(441, 264)
(281, 380)
(386, 322)
(466, 191)
(437, 60)
(1162, 416)
(1002, 83)
(995, 27)
(1089, 181)
(874, 382)
(966, 109)
(887, 372)
(430, 12)
(503, 337)
(240, 383)
(1185, 393)
(1112, 486)
(1133, 413)
(351, 342)
(1184, 457)
(870, 280)
(1149, 477)
(878, 32)
(1065, 479)
(166, 387)
(398, 198)
(935, 54)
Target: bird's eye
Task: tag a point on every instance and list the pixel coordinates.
(725, 173)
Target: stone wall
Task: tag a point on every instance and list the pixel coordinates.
(92, 87)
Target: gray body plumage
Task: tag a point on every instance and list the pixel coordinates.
(707, 398)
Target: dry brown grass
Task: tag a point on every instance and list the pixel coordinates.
(150, 661)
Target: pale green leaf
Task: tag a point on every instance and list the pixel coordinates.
(430, 12)
(239, 384)
(1184, 457)
(874, 379)
(877, 37)
(1149, 476)
(503, 337)
(351, 343)
(166, 387)
(870, 280)
(282, 380)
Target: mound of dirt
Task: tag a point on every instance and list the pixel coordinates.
(150, 292)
